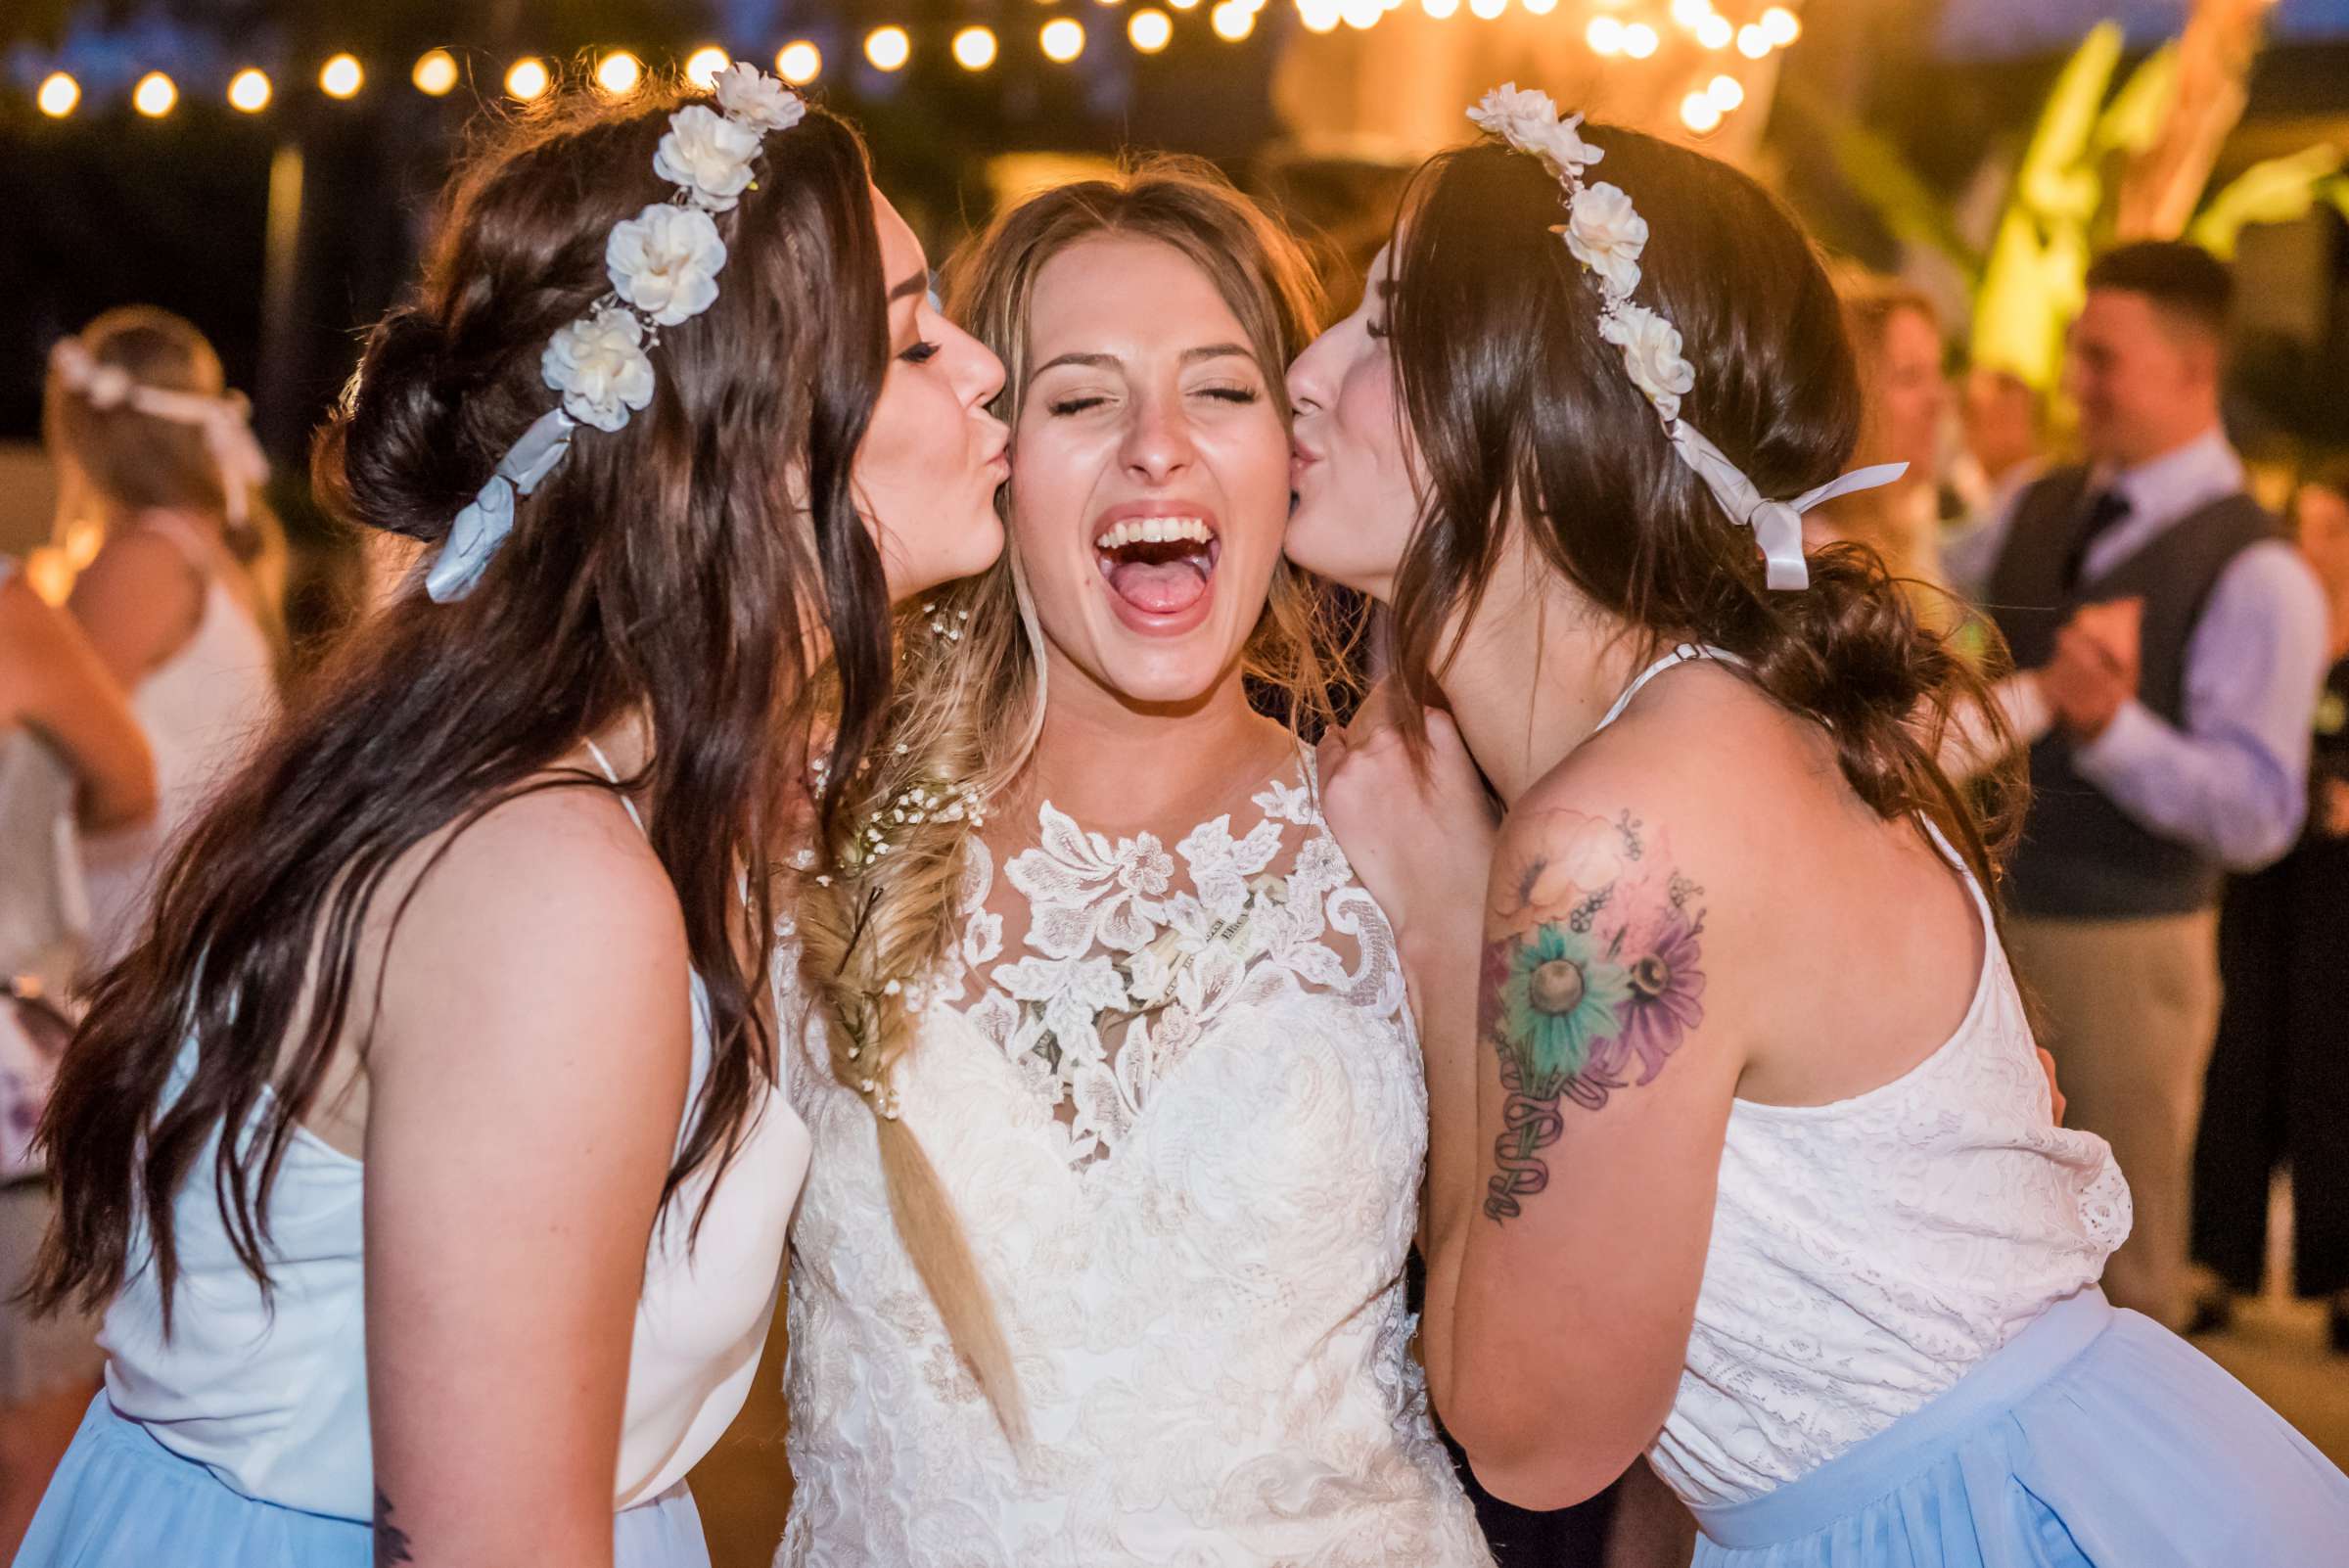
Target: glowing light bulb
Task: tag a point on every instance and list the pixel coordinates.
(798, 62)
(1233, 21)
(527, 79)
(58, 96)
(1780, 25)
(1752, 42)
(1725, 91)
(248, 90)
(1441, 9)
(974, 47)
(617, 73)
(1184, 5)
(1699, 114)
(704, 64)
(155, 96)
(1639, 40)
(1689, 13)
(887, 48)
(435, 73)
(1541, 7)
(1361, 15)
(1319, 16)
(1063, 39)
(1604, 36)
(1150, 30)
(343, 76)
(1714, 32)
(1487, 9)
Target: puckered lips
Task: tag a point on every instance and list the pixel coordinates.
(1158, 559)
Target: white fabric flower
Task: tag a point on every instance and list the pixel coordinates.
(1529, 121)
(665, 260)
(750, 96)
(1651, 353)
(709, 155)
(600, 367)
(1607, 234)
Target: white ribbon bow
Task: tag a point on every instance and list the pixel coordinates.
(480, 528)
(226, 421)
(1778, 525)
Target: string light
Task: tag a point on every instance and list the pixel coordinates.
(1063, 39)
(527, 79)
(1752, 41)
(343, 76)
(1441, 9)
(1689, 13)
(59, 94)
(1183, 5)
(1604, 36)
(248, 90)
(1150, 30)
(1361, 15)
(435, 73)
(1700, 114)
(1319, 16)
(1727, 92)
(1487, 9)
(1233, 21)
(1714, 31)
(1780, 25)
(704, 64)
(617, 73)
(974, 48)
(1541, 7)
(1639, 40)
(887, 48)
(154, 95)
(798, 62)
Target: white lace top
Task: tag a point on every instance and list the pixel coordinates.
(1868, 1254)
(1181, 1115)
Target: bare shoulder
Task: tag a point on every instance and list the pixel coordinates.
(551, 909)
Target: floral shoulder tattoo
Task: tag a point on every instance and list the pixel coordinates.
(1594, 982)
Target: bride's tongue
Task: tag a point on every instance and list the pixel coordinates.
(1160, 587)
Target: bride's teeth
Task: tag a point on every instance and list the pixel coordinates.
(1153, 530)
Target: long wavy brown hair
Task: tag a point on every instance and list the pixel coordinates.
(1519, 408)
(684, 567)
(969, 706)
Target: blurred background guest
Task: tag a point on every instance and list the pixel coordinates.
(2277, 1090)
(1896, 331)
(2003, 422)
(2172, 645)
(181, 600)
(71, 755)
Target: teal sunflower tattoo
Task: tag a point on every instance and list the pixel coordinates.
(1551, 1006)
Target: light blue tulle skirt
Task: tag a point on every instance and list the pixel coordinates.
(121, 1500)
(2093, 1438)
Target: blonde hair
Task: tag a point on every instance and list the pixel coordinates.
(971, 697)
(1879, 519)
(127, 461)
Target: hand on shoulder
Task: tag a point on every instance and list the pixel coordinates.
(1420, 837)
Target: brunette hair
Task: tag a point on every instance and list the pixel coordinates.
(1519, 408)
(682, 567)
(968, 706)
(2184, 281)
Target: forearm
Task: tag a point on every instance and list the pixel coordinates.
(2222, 792)
(1443, 971)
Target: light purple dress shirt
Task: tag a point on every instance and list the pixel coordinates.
(2233, 782)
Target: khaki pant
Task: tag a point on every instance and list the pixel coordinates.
(2130, 1009)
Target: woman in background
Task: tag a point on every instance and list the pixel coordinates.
(71, 759)
(180, 601)
(2278, 1086)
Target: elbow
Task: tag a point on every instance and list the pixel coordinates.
(2262, 840)
(1546, 1488)
(1545, 1453)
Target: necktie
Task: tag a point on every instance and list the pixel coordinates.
(2105, 513)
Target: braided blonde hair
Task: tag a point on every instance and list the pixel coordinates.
(971, 698)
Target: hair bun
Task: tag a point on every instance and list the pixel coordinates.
(394, 455)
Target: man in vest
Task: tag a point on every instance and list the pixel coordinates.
(2172, 645)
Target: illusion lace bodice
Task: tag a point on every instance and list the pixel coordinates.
(1177, 1101)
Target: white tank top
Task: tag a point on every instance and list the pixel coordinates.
(1867, 1254)
(275, 1403)
(200, 709)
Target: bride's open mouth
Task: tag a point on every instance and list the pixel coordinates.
(1159, 566)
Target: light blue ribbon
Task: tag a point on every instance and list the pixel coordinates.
(482, 528)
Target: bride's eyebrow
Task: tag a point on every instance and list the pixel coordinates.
(1102, 361)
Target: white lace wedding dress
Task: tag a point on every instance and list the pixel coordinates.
(1182, 1117)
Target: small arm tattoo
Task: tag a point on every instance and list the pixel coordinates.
(390, 1541)
(1599, 982)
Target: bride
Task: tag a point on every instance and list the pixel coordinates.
(1120, 1135)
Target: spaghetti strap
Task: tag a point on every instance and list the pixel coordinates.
(1684, 654)
(182, 537)
(627, 805)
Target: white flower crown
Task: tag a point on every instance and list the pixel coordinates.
(664, 264)
(1607, 236)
